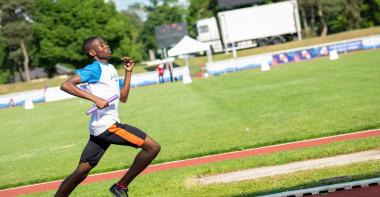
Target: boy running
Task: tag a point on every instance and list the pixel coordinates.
(105, 127)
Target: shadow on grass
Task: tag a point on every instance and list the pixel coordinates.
(310, 185)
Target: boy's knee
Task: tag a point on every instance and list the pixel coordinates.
(83, 169)
(152, 146)
(156, 148)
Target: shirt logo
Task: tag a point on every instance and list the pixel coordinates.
(114, 77)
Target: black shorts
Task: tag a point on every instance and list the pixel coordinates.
(118, 133)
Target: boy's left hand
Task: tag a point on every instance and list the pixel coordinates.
(128, 63)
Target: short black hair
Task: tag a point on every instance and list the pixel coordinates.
(86, 47)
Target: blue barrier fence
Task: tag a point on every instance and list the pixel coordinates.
(293, 55)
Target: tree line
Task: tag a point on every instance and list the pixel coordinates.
(42, 33)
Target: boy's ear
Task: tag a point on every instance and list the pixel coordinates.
(92, 53)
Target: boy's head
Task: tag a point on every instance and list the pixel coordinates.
(96, 47)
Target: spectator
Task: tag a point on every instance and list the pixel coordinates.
(45, 90)
(160, 70)
(46, 87)
(11, 103)
(170, 66)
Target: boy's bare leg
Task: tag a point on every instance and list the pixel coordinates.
(69, 184)
(150, 150)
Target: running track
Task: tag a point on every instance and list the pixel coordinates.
(373, 191)
(48, 186)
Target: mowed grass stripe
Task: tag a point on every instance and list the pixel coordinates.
(180, 182)
(233, 112)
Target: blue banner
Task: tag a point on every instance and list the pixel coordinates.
(346, 47)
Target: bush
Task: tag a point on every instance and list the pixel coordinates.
(4, 77)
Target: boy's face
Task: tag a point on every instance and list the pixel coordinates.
(100, 49)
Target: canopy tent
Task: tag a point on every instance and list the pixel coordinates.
(189, 45)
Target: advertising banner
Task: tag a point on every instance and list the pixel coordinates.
(232, 65)
(371, 43)
(346, 47)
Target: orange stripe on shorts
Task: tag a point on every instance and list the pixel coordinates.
(126, 135)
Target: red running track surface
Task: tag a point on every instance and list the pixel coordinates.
(372, 191)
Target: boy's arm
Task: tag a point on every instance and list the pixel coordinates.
(128, 66)
(70, 87)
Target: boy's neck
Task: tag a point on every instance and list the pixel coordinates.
(101, 60)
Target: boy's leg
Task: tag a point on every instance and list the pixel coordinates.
(123, 134)
(69, 184)
(150, 150)
(90, 157)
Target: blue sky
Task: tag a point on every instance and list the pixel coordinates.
(123, 4)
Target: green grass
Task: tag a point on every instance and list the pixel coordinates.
(180, 182)
(289, 103)
(195, 62)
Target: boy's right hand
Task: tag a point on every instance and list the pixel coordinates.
(128, 63)
(101, 103)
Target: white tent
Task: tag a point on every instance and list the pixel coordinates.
(189, 45)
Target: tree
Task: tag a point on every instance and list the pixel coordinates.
(327, 11)
(199, 9)
(4, 73)
(352, 10)
(62, 25)
(16, 29)
(160, 13)
(2, 52)
(303, 7)
(317, 15)
(346, 16)
(135, 13)
(370, 12)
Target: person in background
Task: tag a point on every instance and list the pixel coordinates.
(11, 103)
(160, 70)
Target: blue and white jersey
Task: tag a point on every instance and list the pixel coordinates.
(103, 82)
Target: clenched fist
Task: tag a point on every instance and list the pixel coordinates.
(128, 63)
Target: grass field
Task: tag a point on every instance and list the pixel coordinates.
(195, 62)
(181, 182)
(291, 102)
